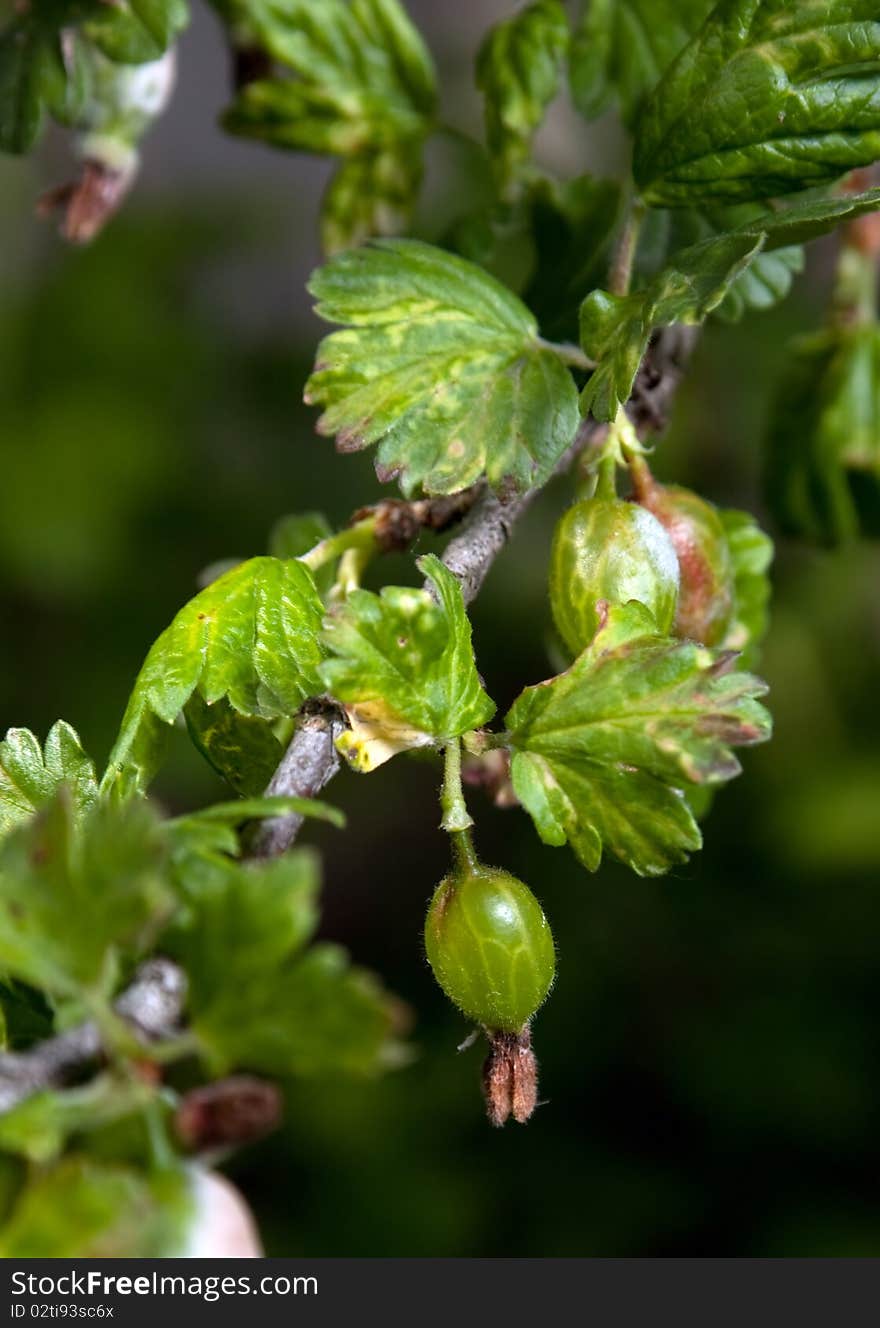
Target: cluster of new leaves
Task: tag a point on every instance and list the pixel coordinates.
(47, 57)
(359, 84)
(92, 882)
(87, 888)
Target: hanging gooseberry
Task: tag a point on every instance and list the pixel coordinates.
(491, 950)
(490, 947)
(606, 549)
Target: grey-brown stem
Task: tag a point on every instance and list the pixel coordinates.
(309, 763)
(153, 1005)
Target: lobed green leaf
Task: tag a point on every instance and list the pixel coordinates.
(725, 272)
(30, 776)
(363, 87)
(92, 1210)
(77, 892)
(257, 998)
(441, 366)
(602, 752)
(250, 639)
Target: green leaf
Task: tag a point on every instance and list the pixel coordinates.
(363, 79)
(373, 193)
(616, 329)
(77, 892)
(46, 66)
(250, 638)
(88, 1210)
(724, 273)
(250, 809)
(30, 777)
(823, 439)
(138, 31)
(34, 74)
(519, 71)
(602, 752)
(801, 222)
(39, 1127)
(242, 749)
(403, 664)
(337, 1019)
(256, 1000)
(764, 283)
(442, 366)
(620, 49)
(751, 553)
(768, 279)
(768, 98)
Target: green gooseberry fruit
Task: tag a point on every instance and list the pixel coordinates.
(606, 549)
(490, 947)
(706, 602)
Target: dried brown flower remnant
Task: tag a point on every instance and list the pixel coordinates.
(88, 202)
(510, 1078)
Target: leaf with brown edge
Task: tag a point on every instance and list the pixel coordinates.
(602, 753)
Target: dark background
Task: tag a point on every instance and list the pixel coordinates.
(711, 1053)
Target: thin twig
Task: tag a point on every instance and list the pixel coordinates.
(152, 1005)
(309, 763)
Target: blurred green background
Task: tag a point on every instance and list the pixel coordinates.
(711, 1053)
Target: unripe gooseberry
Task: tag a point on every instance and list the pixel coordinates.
(490, 947)
(706, 595)
(606, 549)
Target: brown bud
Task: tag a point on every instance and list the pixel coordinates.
(510, 1078)
(229, 1112)
(491, 772)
